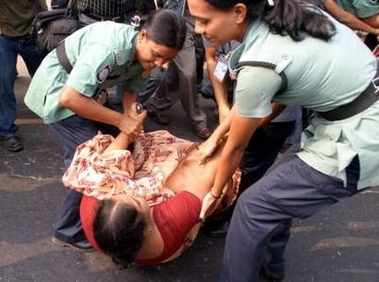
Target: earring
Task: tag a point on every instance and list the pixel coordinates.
(270, 3)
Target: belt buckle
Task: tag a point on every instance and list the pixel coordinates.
(233, 73)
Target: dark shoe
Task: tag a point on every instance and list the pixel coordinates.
(159, 118)
(203, 132)
(14, 144)
(206, 91)
(81, 246)
(269, 276)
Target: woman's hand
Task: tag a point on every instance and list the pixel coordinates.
(208, 206)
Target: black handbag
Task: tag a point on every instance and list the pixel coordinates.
(53, 26)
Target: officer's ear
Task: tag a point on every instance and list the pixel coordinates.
(240, 11)
(142, 35)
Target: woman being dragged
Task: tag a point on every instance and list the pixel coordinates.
(143, 207)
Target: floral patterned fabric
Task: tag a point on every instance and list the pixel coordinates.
(155, 156)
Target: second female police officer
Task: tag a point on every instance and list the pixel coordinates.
(294, 54)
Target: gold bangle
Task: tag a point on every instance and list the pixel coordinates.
(215, 196)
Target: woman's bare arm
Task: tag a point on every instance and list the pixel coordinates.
(121, 142)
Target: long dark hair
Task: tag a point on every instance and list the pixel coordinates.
(165, 27)
(290, 17)
(119, 230)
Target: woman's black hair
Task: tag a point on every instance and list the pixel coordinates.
(119, 230)
(285, 17)
(164, 27)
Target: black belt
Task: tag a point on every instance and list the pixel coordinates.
(358, 105)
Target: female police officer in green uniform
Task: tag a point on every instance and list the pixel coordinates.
(293, 54)
(66, 90)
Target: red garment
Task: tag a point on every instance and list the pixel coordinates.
(174, 219)
(88, 208)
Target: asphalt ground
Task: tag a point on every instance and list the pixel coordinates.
(339, 244)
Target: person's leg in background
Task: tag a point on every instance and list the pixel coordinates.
(153, 84)
(30, 55)
(200, 59)
(152, 87)
(8, 104)
(180, 82)
(262, 150)
(162, 100)
(259, 228)
(188, 81)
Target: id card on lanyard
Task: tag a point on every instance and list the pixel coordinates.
(221, 68)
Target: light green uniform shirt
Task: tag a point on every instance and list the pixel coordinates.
(361, 8)
(321, 76)
(102, 55)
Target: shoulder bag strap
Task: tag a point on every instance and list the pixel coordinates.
(62, 57)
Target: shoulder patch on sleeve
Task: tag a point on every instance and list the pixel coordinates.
(102, 75)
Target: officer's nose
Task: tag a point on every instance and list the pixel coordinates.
(198, 28)
(159, 62)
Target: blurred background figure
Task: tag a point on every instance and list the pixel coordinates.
(90, 11)
(181, 78)
(16, 19)
(361, 15)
